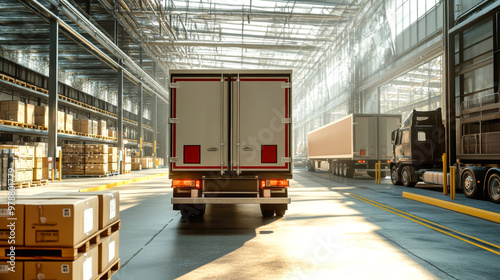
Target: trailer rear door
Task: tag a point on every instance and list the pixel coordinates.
(199, 123)
(261, 123)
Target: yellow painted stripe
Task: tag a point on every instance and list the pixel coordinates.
(121, 183)
(429, 224)
(483, 214)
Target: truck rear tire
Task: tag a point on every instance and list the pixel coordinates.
(470, 188)
(406, 177)
(395, 176)
(494, 188)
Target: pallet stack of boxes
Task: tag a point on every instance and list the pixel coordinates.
(96, 159)
(12, 111)
(136, 163)
(40, 164)
(73, 162)
(61, 236)
(147, 162)
(112, 159)
(127, 166)
(22, 164)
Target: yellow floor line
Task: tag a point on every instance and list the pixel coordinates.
(121, 183)
(483, 214)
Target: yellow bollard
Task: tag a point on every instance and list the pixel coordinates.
(379, 172)
(445, 174)
(376, 173)
(60, 165)
(452, 182)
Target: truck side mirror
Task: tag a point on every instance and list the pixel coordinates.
(393, 136)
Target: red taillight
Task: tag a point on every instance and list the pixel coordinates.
(362, 152)
(388, 161)
(186, 184)
(361, 161)
(274, 183)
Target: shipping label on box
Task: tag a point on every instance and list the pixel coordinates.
(11, 231)
(85, 267)
(61, 221)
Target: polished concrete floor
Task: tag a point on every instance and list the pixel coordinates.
(335, 228)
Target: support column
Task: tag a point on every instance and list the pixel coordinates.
(155, 128)
(449, 76)
(140, 112)
(119, 122)
(53, 88)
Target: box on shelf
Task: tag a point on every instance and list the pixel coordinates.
(83, 126)
(96, 169)
(15, 116)
(73, 169)
(29, 114)
(101, 128)
(95, 127)
(68, 122)
(109, 251)
(42, 116)
(61, 119)
(59, 221)
(86, 266)
(112, 133)
(96, 158)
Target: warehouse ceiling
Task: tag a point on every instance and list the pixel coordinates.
(160, 35)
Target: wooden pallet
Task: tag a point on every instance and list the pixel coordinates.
(42, 182)
(60, 253)
(22, 185)
(13, 123)
(7, 78)
(108, 273)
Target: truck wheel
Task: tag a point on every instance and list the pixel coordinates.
(348, 170)
(267, 213)
(494, 188)
(469, 184)
(395, 176)
(406, 176)
(280, 213)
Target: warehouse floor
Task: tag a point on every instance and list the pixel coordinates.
(333, 226)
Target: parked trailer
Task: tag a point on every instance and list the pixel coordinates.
(352, 144)
(230, 136)
(419, 144)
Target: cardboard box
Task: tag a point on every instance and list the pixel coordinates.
(95, 127)
(29, 114)
(38, 162)
(101, 128)
(61, 118)
(73, 169)
(83, 126)
(96, 169)
(96, 148)
(42, 116)
(37, 174)
(109, 250)
(15, 116)
(6, 274)
(68, 122)
(11, 105)
(128, 167)
(112, 133)
(97, 158)
(59, 221)
(83, 268)
(112, 166)
(109, 204)
(113, 154)
(4, 222)
(74, 148)
(73, 159)
(46, 167)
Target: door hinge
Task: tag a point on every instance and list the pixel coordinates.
(174, 159)
(286, 120)
(175, 85)
(174, 120)
(286, 159)
(286, 85)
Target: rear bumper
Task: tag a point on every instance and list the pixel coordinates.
(231, 200)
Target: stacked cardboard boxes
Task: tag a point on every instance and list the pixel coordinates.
(40, 170)
(96, 159)
(127, 166)
(63, 220)
(112, 133)
(112, 159)
(13, 111)
(73, 161)
(42, 116)
(147, 162)
(136, 163)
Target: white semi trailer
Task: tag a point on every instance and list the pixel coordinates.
(353, 144)
(230, 139)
